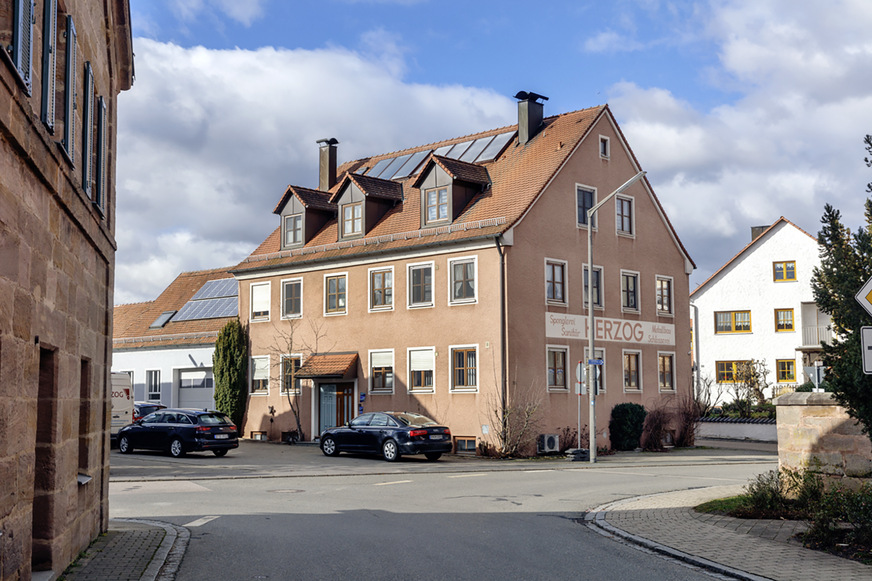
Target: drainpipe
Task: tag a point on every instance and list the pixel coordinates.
(503, 386)
(696, 364)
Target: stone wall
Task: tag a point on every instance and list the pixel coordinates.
(814, 429)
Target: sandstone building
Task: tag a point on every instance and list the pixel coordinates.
(62, 65)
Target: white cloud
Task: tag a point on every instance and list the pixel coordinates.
(209, 139)
(790, 143)
(243, 11)
(610, 41)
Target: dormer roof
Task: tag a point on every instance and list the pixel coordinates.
(456, 169)
(310, 198)
(371, 188)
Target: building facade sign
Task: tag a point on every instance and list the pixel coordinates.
(561, 326)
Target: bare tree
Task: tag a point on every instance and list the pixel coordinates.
(750, 381)
(292, 346)
(708, 394)
(517, 420)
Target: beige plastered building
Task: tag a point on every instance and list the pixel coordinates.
(62, 66)
(446, 279)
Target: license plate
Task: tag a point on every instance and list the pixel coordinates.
(221, 436)
(436, 436)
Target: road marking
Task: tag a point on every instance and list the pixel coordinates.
(539, 471)
(468, 475)
(201, 521)
(394, 482)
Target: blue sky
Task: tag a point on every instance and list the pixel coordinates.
(740, 111)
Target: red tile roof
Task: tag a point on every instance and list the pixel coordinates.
(328, 365)
(309, 198)
(458, 170)
(374, 187)
(132, 322)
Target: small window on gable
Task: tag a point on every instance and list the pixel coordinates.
(605, 150)
(783, 271)
(436, 201)
(352, 219)
(293, 229)
(624, 221)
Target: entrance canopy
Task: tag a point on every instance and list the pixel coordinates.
(329, 365)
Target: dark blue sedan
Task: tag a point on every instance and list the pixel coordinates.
(177, 431)
(390, 434)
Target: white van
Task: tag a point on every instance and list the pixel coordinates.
(122, 402)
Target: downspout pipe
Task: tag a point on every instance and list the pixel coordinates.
(503, 386)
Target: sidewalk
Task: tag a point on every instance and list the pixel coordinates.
(132, 550)
(746, 549)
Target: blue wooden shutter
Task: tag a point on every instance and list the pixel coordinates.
(100, 177)
(49, 63)
(70, 91)
(22, 40)
(88, 129)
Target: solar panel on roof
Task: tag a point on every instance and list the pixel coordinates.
(379, 167)
(476, 148)
(495, 146)
(458, 150)
(443, 150)
(411, 164)
(225, 287)
(394, 166)
(208, 309)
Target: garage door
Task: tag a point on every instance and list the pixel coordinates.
(196, 389)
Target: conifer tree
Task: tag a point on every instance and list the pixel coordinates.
(230, 368)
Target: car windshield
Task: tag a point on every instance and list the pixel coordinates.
(213, 419)
(414, 419)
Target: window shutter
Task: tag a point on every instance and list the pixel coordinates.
(70, 91)
(260, 368)
(422, 360)
(88, 129)
(49, 63)
(22, 40)
(100, 176)
(382, 359)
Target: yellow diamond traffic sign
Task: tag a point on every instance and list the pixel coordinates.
(864, 296)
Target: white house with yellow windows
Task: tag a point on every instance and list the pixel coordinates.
(760, 306)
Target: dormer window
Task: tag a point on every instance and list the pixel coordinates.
(293, 229)
(352, 219)
(437, 204)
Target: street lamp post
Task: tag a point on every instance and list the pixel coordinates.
(590, 316)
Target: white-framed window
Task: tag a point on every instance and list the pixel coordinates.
(666, 371)
(664, 295)
(422, 369)
(381, 289)
(625, 219)
(463, 275)
(293, 228)
(599, 378)
(632, 370)
(597, 286)
(260, 374)
(629, 291)
(260, 301)
(381, 371)
(436, 202)
(585, 199)
(557, 367)
(464, 367)
(556, 282)
(152, 384)
(420, 283)
(290, 382)
(605, 150)
(335, 293)
(292, 298)
(352, 219)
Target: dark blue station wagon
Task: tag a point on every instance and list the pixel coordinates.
(390, 434)
(177, 431)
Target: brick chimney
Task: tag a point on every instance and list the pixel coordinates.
(327, 164)
(756, 231)
(529, 115)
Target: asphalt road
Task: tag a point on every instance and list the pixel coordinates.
(287, 512)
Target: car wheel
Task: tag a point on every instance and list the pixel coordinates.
(220, 453)
(124, 445)
(176, 448)
(390, 451)
(433, 456)
(328, 446)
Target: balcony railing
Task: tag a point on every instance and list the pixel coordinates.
(814, 336)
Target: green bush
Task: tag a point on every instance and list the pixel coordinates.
(625, 427)
(842, 515)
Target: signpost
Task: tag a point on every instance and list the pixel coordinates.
(866, 342)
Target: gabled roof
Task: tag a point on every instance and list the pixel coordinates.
(315, 199)
(328, 365)
(747, 249)
(458, 170)
(132, 323)
(371, 188)
(517, 176)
